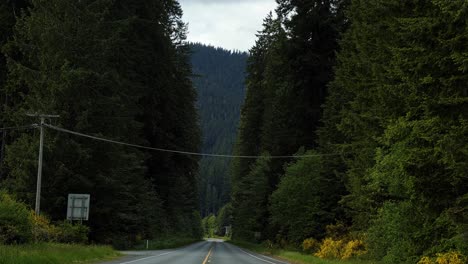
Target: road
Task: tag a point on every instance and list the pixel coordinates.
(212, 251)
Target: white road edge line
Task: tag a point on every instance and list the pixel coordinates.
(274, 259)
(133, 261)
(266, 261)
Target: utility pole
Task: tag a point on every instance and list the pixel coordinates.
(39, 165)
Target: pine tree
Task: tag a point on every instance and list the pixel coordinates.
(8, 12)
(114, 69)
(293, 59)
(396, 100)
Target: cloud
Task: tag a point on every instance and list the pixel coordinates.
(231, 24)
(222, 1)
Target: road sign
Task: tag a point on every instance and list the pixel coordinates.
(78, 207)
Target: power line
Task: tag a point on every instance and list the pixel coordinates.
(18, 128)
(179, 151)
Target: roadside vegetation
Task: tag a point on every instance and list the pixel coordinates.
(218, 226)
(53, 253)
(114, 69)
(371, 99)
(293, 255)
(29, 238)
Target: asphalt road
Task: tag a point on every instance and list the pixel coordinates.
(212, 251)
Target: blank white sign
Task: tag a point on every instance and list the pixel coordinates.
(78, 206)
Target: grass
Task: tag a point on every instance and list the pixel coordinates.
(166, 242)
(295, 256)
(51, 253)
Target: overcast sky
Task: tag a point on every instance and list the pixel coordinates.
(231, 24)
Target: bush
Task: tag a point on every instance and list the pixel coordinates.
(15, 226)
(310, 245)
(451, 257)
(341, 249)
(330, 249)
(42, 229)
(395, 235)
(353, 248)
(72, 233)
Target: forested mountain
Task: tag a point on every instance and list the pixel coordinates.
(113, 69)
(381, 168)
(219, 81)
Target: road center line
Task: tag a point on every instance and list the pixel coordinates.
(133, 261)
(208, 255)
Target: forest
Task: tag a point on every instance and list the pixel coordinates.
(219, 76)
(113, 69)
(371, 98)
(347, 122)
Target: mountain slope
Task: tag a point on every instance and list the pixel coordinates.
(219, 81)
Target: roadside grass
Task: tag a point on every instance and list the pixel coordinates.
(52, 253)
(295, 256)
(166, 242)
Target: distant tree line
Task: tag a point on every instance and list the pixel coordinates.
(219, 77)
(375, 94)
(113, 69)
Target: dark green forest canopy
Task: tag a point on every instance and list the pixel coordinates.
(387, 119)
(115, 69)
(219, 80)
(287, 75)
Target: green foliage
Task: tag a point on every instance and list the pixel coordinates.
(287, 76)
(393, 129)
(197, 226)
(113, 69)
(219, 81)
(251, 212)
(296, 205)
(224, 220)
(51, 253)
(42, 229)
(15, 225)
(397, 110)
(72, 233)
(392, 236)
(209, 225)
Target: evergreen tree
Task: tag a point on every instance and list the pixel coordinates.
(286, 86)
(297, 206)
(219, 77)
(251, 212)
(9, 10)
(396, 100)
(249, 134)
(114, 69)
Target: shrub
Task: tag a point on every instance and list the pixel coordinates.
(15, 226)
(451, 257)
(310, 245)
(72, 233)
(425, 260)
(338, 248)
(42, 229)
(353, 248)
(330, 249)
